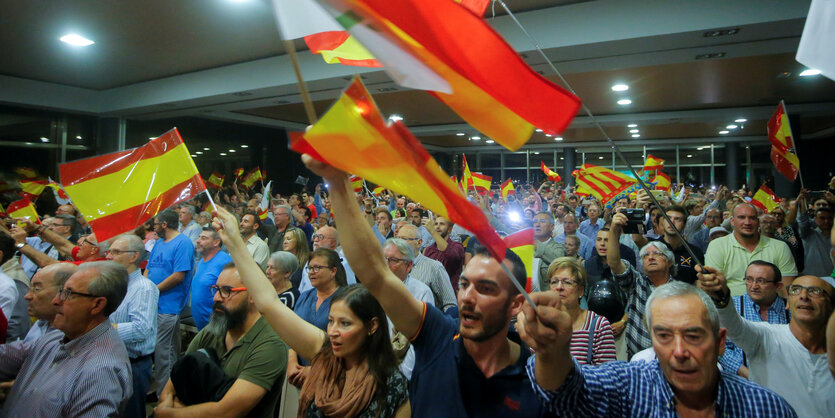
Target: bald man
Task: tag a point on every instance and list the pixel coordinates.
(45, 285)
(327, 237)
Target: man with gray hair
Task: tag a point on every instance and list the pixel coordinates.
(546, 249)
(428, 271)
(327, 237)
(136, 318)
(45, 285)
(283, 222)
(400, 256)
(685, 381)
(188, 226)
(83, 372)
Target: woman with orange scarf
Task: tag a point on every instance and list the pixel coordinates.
(354, 371)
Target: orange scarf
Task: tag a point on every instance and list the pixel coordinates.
(335, 391)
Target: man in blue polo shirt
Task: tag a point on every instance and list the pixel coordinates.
(471, 369)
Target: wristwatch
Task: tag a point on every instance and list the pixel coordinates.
(20, 245)
(723, 302)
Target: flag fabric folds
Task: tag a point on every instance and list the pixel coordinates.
(466, 175)
(262, 214)
(23, 208)
(378, 190)
(354, 137)
(339, 47)
(481, 183)
(251, 177)
(815, 49)
(653, 163)
(356, 183)
(215, 181)
(605, 184)
(2, 211)
(782, 145)
(33, 187)
(239, 172)
(522, 243)
(508, 189)
(552, 176)
(662, 181)
(765, 199)
(118, 191)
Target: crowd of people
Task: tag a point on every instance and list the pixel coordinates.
(336, 303)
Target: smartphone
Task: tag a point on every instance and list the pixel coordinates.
(658, 194)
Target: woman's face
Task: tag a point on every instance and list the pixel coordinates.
(566, 285)
(289, 243)
(571, 247)
(319, 272)
(273, 273)
(348, 333)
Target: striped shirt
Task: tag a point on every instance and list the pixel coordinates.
(620, 389)
(88, 376)
(603, 346)
(433, 274)
(136, 316)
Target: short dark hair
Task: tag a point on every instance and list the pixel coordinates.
(254, 216)
(679, 209)
(334, 261)
(518, 269)
(419, 210)
(778, 276)
(826, 209)
(7, 247)
(170, 217)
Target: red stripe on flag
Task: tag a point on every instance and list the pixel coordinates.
(524, 237)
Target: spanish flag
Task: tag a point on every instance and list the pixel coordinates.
(339, 47)
(118, 191)
(765, 199)
(251, 177)
(354, 137)
(239, 172)
(552, 176)
(26, 172)
(215, 180)
(466, 175)
(356, 183)
(662, 181)
(23, 208)
(603, 183)
(378, 190)
(782, 145)
(481, 183)
(508, 189)
(653, 163)
(262, 215)
(522, 243)
(33, 187)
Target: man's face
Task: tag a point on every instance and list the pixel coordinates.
(411, 236)
(713, 218)
(442, 226)
(678, 219)
(560, 211)
(121, 254)
(685, 344)
(824, 221)
(304, 198)
(247, 225)
(601, 242)
(185, 216)
(229, 312)
(88, 248)
(397, 262)
(383, 222)
(820, 203)
(622, 203)
(696, 210)
(59, 226)
(74, 315)
(593, 212)
(571, 247)
(65, 210)
(655, 261)
(569, 224)
(41, 292)
(206, 242)
(745, 221)
(324, 238)
(485, 306)
(542, 226)
(768, 225)
(282, 216)
(252, 205)
(761, 286)
(807, 308)
(401, 203)
(415, 218)
(572, 201)
(293, 201)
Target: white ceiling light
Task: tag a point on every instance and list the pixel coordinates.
(475, 138)
(620, 87)
(395, 118)
(562, 158)
(205, 149)
(460, 134)
(810, 72)
(223, 154)
(700, 148)
(636, 135)
(731, 127)
(536, 153)
(152, 138)
(490, 141)
(233, 150)
(75, 39)
(193, 156)
(632, 125)
(600, 157)
(78, 137)
(44, 139)
(559, 138)
(539, 130)
(549, 135)
(624, 102)
(198, 152)
(689, 155)
(741, 120)
(244, 146)
(634, 131)
(724, 132)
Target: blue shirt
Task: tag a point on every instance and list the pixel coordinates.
(29, 266)
(639, 389)
(446, 382)
(166, 259)
(205, 276)
(192, 231)
(586, 245)
(590, 229)
(306, 309)
(136, 316)
(734, 357)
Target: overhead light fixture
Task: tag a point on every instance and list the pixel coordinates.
(632, 125)
(244, 146)
(536, 153)
(620, 87)
(624, 102)
(75, 39)
(233, 150)
(559, 138)
(539, 130)
(689, 155)
(78, 137)
(193, 156)
(490, 141)
(562, 158)
(634, 131)
(152, 138)
(549, 135)
(44, 139)
(223, 154)
(395, 118)
(460, 134)
(809, 72)
(198, 152)
(636, 135)
(724, 132)
(741, 120)
(600, 157)
(700, 148)
(205, 149)
(731, 127)
(475, 138)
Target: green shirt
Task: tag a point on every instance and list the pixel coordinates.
(728, 255)
(259, 357)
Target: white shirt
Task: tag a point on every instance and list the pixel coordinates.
(8, 295)
(259, 250)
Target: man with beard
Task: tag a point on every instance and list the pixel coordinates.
(465, 366)
(254, 244)
(211, 262)
(249, 351)
(450, 253)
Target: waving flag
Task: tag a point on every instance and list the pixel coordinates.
(522, 243)
(481, 183)
(339, 47)
(552, 176)
(118, 191)
(378, 190)
(765, 199)
(3, 213)
(782, 145)
(215, 180)
(653, 163)
(23, 208)
(356, 183)
(466, 175)
(33, 187)
(239, 172)
(507, 189)
(26, 172)
(662, 181)
(354, 137)
(251, 177)
(605, 184)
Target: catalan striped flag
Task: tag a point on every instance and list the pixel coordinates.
(604, 184)
(522, 243)
(356, 183)
(662, 181)
(765, 199)
(354, 137)
(653, 163)
(23, 208)
(481, 183)
(251, 177)
(118, 191)
(508, 189)
(782, 145)
(215, 180)
(552, 176)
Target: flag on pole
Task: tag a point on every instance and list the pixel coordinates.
(662, 181)
(552, 176)
(378, 190)
(765, 199)
(508, 189)
(215, 180)
(466, 175)
(116, 192)
(262, 214)
(522, 243)
(32, 187)
(481, 183)
(26, 172)
(605, 184)
(263, 175)
(24, 208)
(782, 145)
(59, 192)
(251, 177)
(239, 172)
(354, 137)
(815, 50)
(356, 183)
(653, 163)
(339, 47)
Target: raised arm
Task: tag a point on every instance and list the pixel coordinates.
(63, 245)
(613, 248)
(362, 251)
(300, 335)
(38, 257)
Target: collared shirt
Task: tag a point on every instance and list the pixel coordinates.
(19, 322)
(37, 243)
(136, 316)
(38, 329)
(734, 357)
(259, 250)
(350, 277)
(728, 255)
(619, 389)
(590, 229)
(8, 295)
(586, 245)
(452, 259)
(637, 288)
(817, 247)
(88, 376)
(426, 238)
(432, 273)
(380, 237)
(192, 231)
(418, 290)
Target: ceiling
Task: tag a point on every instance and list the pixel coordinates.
(223, 59)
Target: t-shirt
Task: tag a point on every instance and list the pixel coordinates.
(686, 265)
(728, 255)
(167, 258)
(259, 357)
(289, 297)
(306, 309)
(603, 341)
(205, 276)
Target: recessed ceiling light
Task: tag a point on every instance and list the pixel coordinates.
(198, 152)
(632, 125)
(624, 102)
(562, 158)
(244, 146)
(152, 138)
(549, 135)
(731, 127)
(700, 148)
(44, 139)
(741, 120)
(193, 156)
(620, 87)
(724, 132)
(689, 155)
(233, 150)
(205, 149)
(600, 157)
(636, 135)
(809, 72)
(536, 153)
(559, 138)
(75, 39)
(634, 131)
(460, 134)
(223, 153)
(475, 138)
(78, 137)
(539, 130)
(395, 118)
(490, 141)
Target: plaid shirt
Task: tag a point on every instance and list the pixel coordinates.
(734, 357)
(619, 389)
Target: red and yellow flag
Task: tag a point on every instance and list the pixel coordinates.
(466, 175)
(239, 172)
(481, 183)
(552, 176)
(2, 211)
(765, 199)
(508, 189)
(356, 183)
(26, 172)
(118, 191)
(522, 243)
(378, 190)
(215, 181)
(262, 215)
(251, 177)
(782, 144)
(653, 163)
(23, 208)
(603, 183)
(33, 187)
(339, 47)
(662, 181)
(354, 137)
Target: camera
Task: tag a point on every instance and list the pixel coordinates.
(635, 221)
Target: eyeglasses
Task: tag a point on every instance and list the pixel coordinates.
(408, 239)
(319, 237)
(567, 283)
(225, 291)
(312, 268)
(66, 292)
(760, 281)
(120, 252)
(814, 291)
(85, 241)
(653, 253)
(393, 260)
